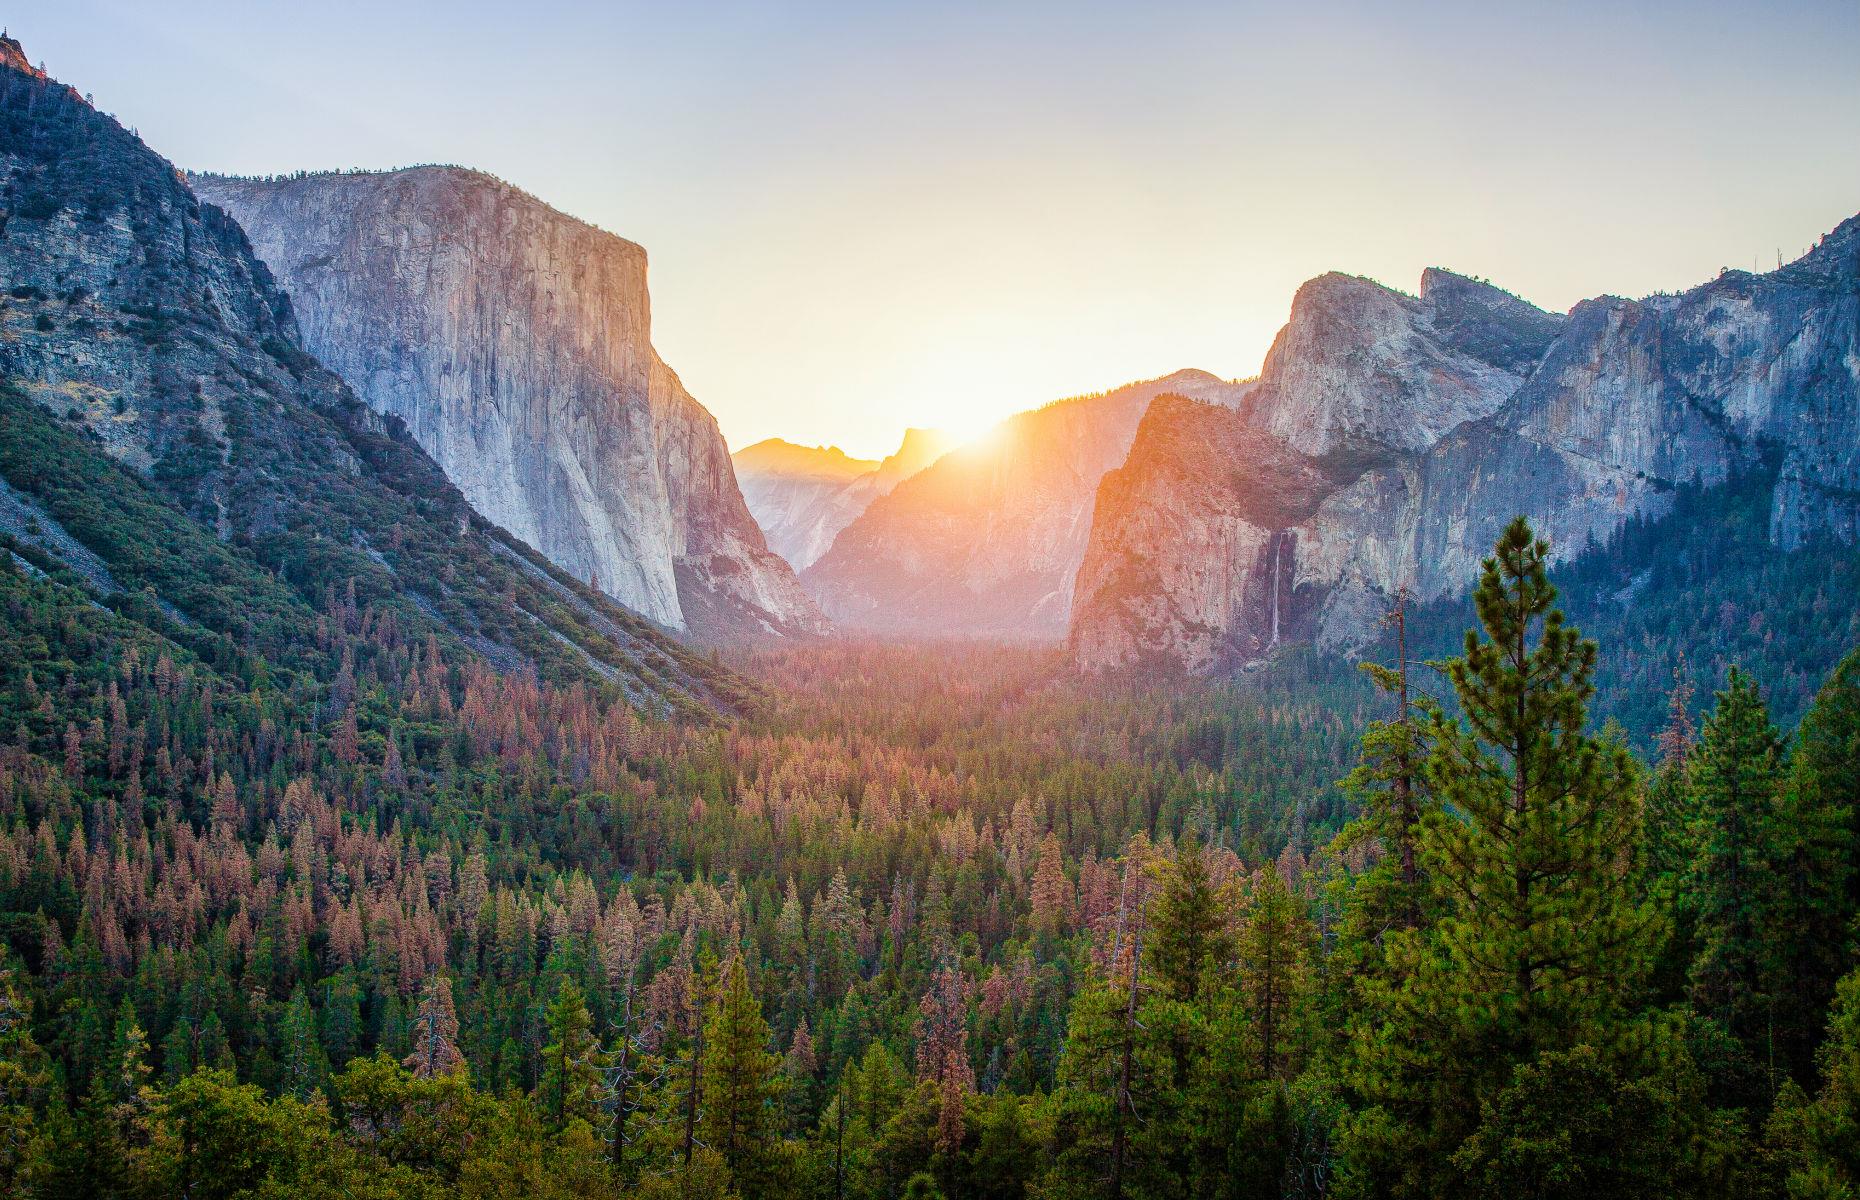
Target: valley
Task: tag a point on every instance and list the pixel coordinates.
(431, 764)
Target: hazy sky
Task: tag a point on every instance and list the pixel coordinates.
(868, 215)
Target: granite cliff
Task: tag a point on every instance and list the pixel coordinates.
(169, 438)
(1390, 437)
(515, 342)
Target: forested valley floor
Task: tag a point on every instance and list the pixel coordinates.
(369, 919)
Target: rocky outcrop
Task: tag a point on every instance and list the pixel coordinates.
(1361, 369)
(1391, 437)
(802, 496)
(515, 342)
(1199, 478)
(140, 317)
(987, 541)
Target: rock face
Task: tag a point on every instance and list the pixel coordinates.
(987, 541)
(515, 342)
(1391, 437)
(140, 317)
(802, 496)
(1361, 369)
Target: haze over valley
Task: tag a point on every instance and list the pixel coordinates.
(1175, 693)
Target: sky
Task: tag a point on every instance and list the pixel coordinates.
(866, 216)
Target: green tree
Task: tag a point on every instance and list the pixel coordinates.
(1189, 929)
(1731, 893)
(1543, 940)
(302, 1067)
(1818, 1141)
(1276, 943)
(128, 1057)
(572, 1061)
(342, 1018)
(1390, 790)
(1820, 869)
(741, 1083)
(1129, 1049)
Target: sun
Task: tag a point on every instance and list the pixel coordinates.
(973, 430)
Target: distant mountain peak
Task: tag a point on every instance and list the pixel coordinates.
(780, 455)
(919, 449)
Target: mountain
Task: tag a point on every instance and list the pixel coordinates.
(987, 540)
(173, 452)
(515, 342)
(918, 449)
(777, 456)
(802, 496)
(1391, 436)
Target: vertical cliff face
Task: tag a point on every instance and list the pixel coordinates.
(802, 496)
(988, 539)
(1391, 437)
(137, 325)
(515, 342)
(1195, 543)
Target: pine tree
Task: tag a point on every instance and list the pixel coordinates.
(572, 1061)
(800, 1067)
(1819, 912)
(1275, 950)
(1543, 941)
(177, 1052)
(1545, 936)
(1125, 1056)
(1670, 811)
(301, 1065)
(1388, 786)
(700, 985)
(740, 1082)
(1731, 894)
(1051, 896)
(634, 1067)
(214, 1051)
(1671, 842)
(1189, 931)
(128, 1057)
(342, 1018)
(942, 1035)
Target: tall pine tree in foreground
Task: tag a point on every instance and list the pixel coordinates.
(1542, 941)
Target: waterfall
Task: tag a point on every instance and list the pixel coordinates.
(1277, 534)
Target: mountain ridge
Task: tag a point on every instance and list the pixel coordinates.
(1441, 416)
